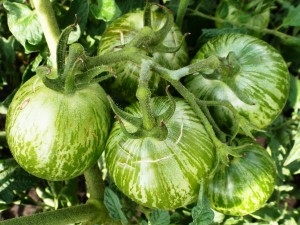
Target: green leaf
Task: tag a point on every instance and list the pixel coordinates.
(24, 25)
(113, 205)
(13, 179)
(106, 10)
(295, 151)
(202, 213)
(7, 61)
(293, 17)
(294, 95)
(160, 217)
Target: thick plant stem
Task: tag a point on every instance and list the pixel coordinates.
(143, 94)
(191, 99)
(183, 4)
(95, 187)
(71, 215)
(94, 182)
(49, 24)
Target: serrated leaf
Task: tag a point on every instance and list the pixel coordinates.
(24, 25)
(105, 10)
(13, 179)
(114, 207)
(293, 17)
(160, 217)
(202, 213)
(295, 151)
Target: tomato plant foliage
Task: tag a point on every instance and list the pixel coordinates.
(150, 112)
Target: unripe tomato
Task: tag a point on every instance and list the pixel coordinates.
(163, 174)
(57, 136)
(256, 84)
(245, 184)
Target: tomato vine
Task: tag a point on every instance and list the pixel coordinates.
(197, 119)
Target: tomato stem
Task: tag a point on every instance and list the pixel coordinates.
(94, 182)
(49, 24)
(143, 94)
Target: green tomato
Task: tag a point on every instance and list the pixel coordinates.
(163, 174)
(244, 185)
(57, 136)
(120, 33)
(255, 79)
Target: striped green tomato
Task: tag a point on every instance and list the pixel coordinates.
(119, 33)
(56, 136)
(244, 185)
(255, 82)
(161, 174)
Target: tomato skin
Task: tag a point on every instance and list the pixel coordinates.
(121, 32)
(258, 91)
(56, 136)
(161, 174)
(245, 184)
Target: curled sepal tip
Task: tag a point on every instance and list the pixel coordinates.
(167, 49)
(248, 128)
(162, 32)
(135, 135)
(135, 121)
(49, 78)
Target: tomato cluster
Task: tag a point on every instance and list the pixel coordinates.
(159, 149)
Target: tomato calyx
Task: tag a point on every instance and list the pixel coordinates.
(70, 74)
(149, 125)
(150, 39)
(224, 155)
(229, 66)
(158, 131)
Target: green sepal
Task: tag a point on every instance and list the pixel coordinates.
(166, 49)
(135, 121)
(135, 135)
(62, 48)
(94, 75)
(50, 78)
(147, 15)
(162, 33)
